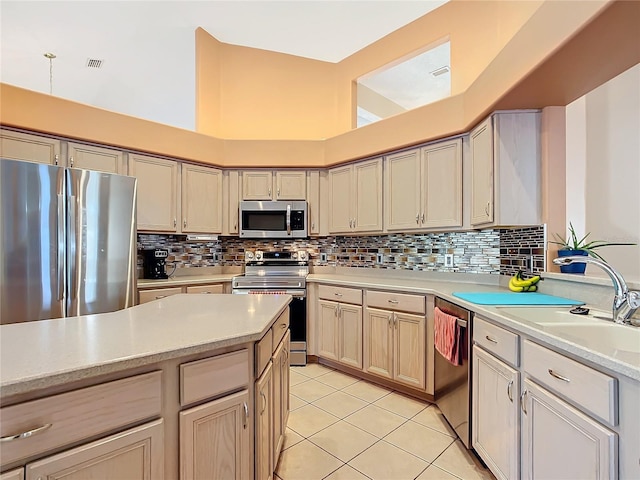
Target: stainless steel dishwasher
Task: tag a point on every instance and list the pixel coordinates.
(453, 383)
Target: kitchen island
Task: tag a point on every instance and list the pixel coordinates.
(147, 389)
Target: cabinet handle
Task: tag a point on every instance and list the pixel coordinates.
(486, 209)
(283, 325)
(337, 294)
(335, 312)
(313, 225)
(27, 434)
(71, 161)
(558, 376)
(184, 223)
(395, 319)
(510, 390)
(245, 421)
(158, 297)
(56, 158)
(278, 193)
(264, 402)
(389, 320)
(417, 218)
(175, 222)
(395, 302)
(492, 340)
(269, 192)
(422, 217)
(205, 292)
(523, 404)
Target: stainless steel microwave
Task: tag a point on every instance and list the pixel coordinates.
(273, 219)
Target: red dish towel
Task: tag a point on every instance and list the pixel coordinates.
(448, 336)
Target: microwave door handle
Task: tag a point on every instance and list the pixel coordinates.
(289, 219)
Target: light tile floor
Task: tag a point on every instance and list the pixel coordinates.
(343, 428)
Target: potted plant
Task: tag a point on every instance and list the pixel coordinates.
(571, 245)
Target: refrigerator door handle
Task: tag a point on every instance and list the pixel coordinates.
(72, 219)
(61, 244)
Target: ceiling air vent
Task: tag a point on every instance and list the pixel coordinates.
(440, 71)
(94, 63)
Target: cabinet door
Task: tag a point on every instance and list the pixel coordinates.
(29, 148)
(215, 440)
(257, 184)
(379, 342)
(17, 474)
(264, 426)
(340, 186)
(481, 146)
(367, 188)
(350, 335)
(328, 329)
(495, 432)
(442, 180)
(134, 454)
(291, 185)
(558, 441)
(157, 192)
(95, 158)
(286, 381)
(278, 431)
(402, 191)
(409, 349)
(201, 199)
(313, 202)
(230, 201)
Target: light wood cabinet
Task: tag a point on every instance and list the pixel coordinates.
(505, 170)
(158, 192)
(328, 329)
(355, 197)
(215, 439)
(280, 361)
(495, 414)
(395, 346)
(559, 441)
(340, 326)
(423, 187)
(29, 148)
(17, 474)
(91, 157)
(313, 202)
(231, 202)
(145, 296)
(135, 454)
(201, 199)
(278, 185)
(350, 335)
(208, 289)
(264, 466)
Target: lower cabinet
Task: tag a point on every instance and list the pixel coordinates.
(134, 454)
(215, 439)
(340, 333)
(264, 425)
(559, 441)
(280, 367)
(396, 346)
(145, 296)
(495, 414)
(328, 329)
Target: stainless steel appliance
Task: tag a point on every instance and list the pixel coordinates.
(278, 273)
(67, 242)
(276, 219)
(154, 263)
(453, 383)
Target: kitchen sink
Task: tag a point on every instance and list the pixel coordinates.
(621, 337)
(555, 315)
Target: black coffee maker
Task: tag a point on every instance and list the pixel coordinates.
(154, 263)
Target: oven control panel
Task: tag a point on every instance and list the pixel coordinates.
(260, 256)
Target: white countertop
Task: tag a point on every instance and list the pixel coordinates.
(591, 347)
(45, 353)
(144, 283)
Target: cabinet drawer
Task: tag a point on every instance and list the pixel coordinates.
(496, 340)
(216, 288)
(73, 416)
(213, 376)
(587, 388)
(264, 349)
(396, 301)
(340, 294)
(279, 329)
(158, 293)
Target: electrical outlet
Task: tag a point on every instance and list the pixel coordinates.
(448, 260)
(379, 258)
(323, 257)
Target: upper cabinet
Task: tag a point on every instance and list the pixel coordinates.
(279, 185)
(423, 187)
(158, 192)
(91, 157)
(201, 199)
(505, 170)
(355, 197)
(30, 148)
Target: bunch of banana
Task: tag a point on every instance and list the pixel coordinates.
(518, 283)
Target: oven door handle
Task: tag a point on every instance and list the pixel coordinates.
(289, 219)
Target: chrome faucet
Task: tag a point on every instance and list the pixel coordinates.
(625, 301)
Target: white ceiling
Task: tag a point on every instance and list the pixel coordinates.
(148, 46)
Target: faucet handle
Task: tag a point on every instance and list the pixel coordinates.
(633, 299)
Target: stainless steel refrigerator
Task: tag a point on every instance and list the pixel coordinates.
(67, 241)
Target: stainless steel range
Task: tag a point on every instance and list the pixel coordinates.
(280, 273)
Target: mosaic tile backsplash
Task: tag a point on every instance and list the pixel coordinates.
(490, 251)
